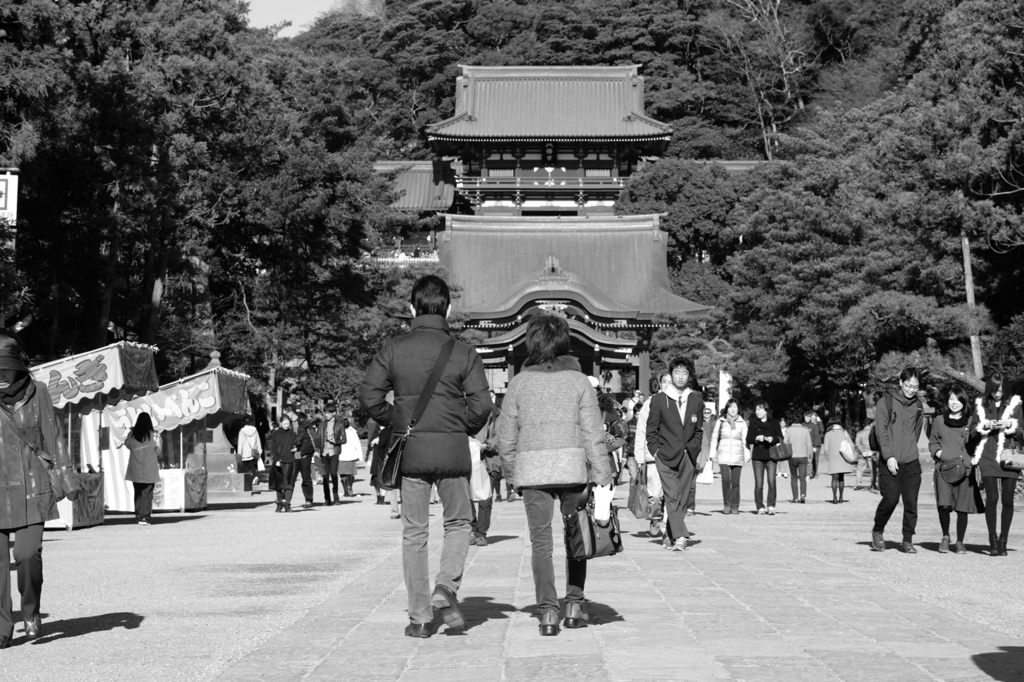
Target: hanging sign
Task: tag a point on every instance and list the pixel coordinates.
(9, 195)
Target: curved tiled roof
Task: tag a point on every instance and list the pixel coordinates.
(614, 267)
(421, 185)
(546, 102)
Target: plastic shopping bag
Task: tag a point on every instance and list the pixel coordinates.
(479, 479)
(707, 474)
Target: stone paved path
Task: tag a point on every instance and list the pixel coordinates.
(239, 593)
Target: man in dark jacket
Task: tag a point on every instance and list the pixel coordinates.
(899, 418)
(675, 430)
(304, 429)
(437, 450)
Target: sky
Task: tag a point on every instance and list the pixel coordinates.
(300, 12)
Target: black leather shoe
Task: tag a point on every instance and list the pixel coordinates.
(908, 548)
(993, 546)
(1001, 546)
(549, 623)
(444, 600)
(33, 626)
(877, 542)
(420, 630)
(5, 641)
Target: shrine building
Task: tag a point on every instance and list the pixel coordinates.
(529, 173)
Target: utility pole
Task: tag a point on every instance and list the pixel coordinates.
(969, 284)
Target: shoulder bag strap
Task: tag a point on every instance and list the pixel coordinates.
(432, 381)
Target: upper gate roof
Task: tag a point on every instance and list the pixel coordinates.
(569, 103)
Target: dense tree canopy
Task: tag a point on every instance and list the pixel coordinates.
(195, 183)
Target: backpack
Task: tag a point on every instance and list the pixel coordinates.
(873, 436)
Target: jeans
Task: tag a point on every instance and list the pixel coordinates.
(798, 471)
(330, 463)
(28, 561)
(906, 484)
(730, 485)
(540, 506)
(482, 516)
(675, 484)
(457, 508)
(303, 465)
(814, 460)
(760, 468)
(863, 466)
(143, 500)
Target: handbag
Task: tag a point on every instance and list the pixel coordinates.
(780, 452)
(952, 471)
(639, 499)
(847, 452)
(63, 485)
(586, 539)
(1012, 459)
(391, 466)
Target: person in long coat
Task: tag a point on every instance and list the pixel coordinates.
(143, 466)
(30, 442)
(838, 466)
(997, 427)
(948, 444)
(284, 450)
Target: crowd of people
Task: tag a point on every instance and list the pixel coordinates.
(552, 440)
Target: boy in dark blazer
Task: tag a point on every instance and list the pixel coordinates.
(675, 428)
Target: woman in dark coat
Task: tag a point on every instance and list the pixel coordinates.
(948, 444)
(996, 427)
(283, 450)
(762, 434)
(143, 466)
(29, 433)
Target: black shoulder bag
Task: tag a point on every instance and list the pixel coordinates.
(391, 467)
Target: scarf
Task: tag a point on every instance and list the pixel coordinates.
(1010, 426)
(16, 391)
(957, 423)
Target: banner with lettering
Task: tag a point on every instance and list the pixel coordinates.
(122, 368)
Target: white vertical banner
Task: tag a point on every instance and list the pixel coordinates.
(724, 388)
(9, 195)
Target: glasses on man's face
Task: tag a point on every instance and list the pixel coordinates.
(912, 387)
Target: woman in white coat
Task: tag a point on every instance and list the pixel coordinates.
(729, 450)
(351, 452)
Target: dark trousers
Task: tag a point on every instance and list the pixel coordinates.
(496, 484)
(730, 485)
(540, 506)
(303, 465)
(28, 561)
(676, 484)
(798, 477)
(482, 517)
(814, 460)
(905, 484)
(330, 476)
(691, 503)
(762, 467)
(143, 500)
(249, 466)
(285, 482)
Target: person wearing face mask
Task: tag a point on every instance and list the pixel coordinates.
(30, 442)
(675, 429)
(899, 418)
(729, 449)
(996, 424)
(763, 433)
(948, 444)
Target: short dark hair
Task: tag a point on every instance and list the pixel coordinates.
(767, 410)
(909, 373)
(430, 296)
(682, 362)
(547, 337)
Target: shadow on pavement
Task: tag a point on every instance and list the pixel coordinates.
(599, 613)
(491, 539)
(224, 506)
(1005, 664)
(158, 520)
(479, 610)
(76, 627)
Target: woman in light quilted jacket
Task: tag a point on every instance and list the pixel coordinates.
(838, 466)
(552, 443)
(729, 450)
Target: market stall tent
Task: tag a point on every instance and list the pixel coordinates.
(185, 413)
(81, 386)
